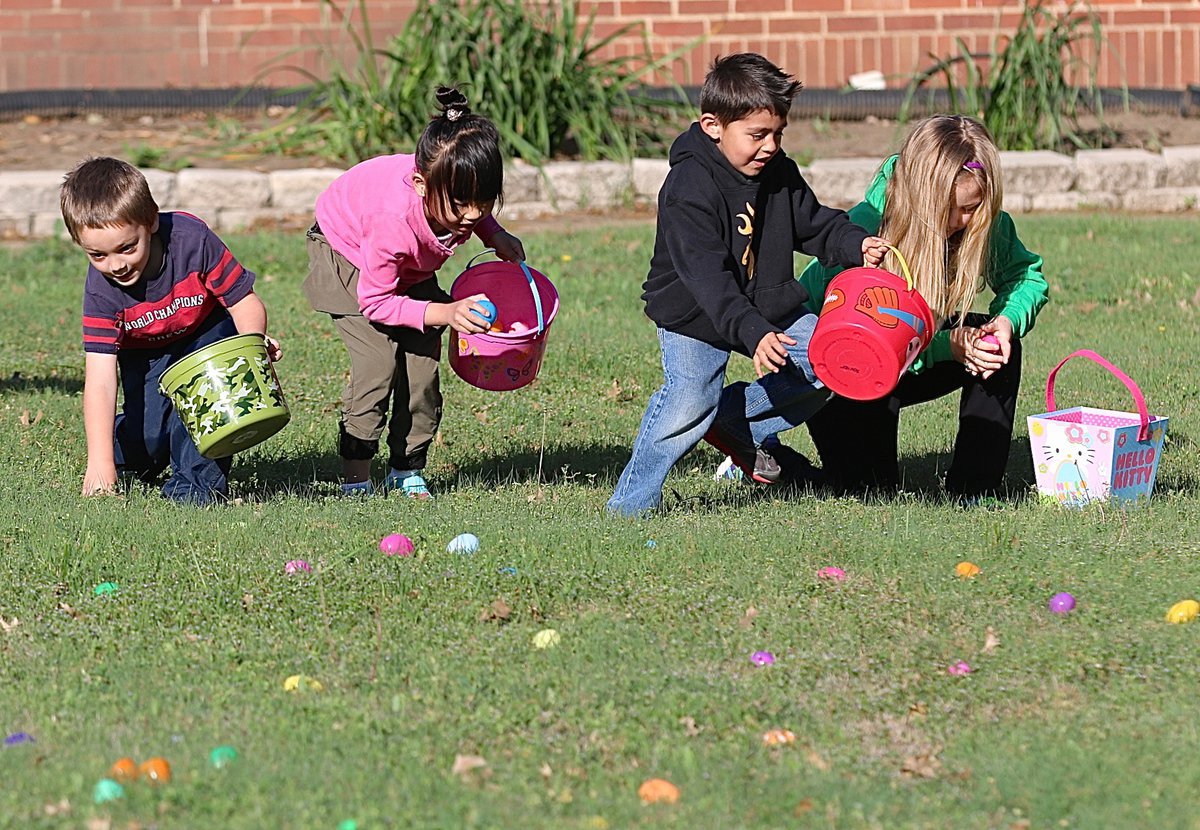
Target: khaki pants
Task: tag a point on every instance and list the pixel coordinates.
(391, 367)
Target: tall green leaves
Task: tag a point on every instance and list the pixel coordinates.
(1032, 93)
(534, 69)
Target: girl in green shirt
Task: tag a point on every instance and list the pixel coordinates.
(939, 202)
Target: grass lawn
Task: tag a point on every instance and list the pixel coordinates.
(427, 662)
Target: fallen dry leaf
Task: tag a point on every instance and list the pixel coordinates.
(62, 808)
(498, 611)
(814, 758)
(689, 726)
(99, 823)
(747, 619)
(8, 625)
(464, 764)
(924, 765)
(991, 641)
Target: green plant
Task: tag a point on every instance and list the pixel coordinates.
(535, 70)
(146, 156)
(1033, 92)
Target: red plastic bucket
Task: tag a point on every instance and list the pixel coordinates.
(510, 355)
(873, 325)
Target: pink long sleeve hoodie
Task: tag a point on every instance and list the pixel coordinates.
(372, 215)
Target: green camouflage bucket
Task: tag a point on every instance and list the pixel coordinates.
(227, 395)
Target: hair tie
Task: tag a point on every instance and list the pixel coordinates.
(453, 114)
(972, 165)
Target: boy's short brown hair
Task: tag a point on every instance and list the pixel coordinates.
(102, 192)
(737, 85)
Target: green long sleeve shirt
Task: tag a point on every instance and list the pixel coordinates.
(1014, 272)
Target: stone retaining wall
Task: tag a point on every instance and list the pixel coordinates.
(231, 200)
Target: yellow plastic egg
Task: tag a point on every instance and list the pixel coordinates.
(1183, 612)
(658, 791)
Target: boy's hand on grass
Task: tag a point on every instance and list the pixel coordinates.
(873, 250)
(100, 480)
(508, 247)
(771, 354)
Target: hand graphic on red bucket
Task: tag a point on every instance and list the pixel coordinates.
(860, 351)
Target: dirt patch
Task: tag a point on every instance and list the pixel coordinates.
(201, 139)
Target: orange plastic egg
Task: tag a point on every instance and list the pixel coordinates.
(123, 770)
(967, 570)
(658, 791)
(157, 770)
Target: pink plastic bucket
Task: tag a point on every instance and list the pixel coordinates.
(873, 325)
(510, 355)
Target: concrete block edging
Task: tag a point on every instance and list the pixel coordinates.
(232, 200)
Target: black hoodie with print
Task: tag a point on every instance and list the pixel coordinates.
(722, 270)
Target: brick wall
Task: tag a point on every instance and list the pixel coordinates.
(65, 44)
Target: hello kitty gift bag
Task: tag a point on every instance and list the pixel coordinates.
(1082, 455)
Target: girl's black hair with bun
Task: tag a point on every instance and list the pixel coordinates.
(459, 154)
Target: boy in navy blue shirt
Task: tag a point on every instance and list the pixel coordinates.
(731, 212)
(159, 286)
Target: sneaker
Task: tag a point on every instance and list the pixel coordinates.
(358, 488)
(755, 462)
(412, 485)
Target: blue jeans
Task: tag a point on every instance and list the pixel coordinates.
(148, 432)
(684, 407)
(778, 401)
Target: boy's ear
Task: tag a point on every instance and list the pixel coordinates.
(154, 227)
(711, 125)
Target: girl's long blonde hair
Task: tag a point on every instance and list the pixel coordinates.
(939, 153)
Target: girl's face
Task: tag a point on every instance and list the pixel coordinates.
(966, 200)
(456, 218)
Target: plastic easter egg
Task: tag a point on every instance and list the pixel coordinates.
(222, 757)
(762, 658)
(156, 770)
(990, 339)
(396, 544)
(778, 737)
(463, 543)
(488, 315)
(301, 683)
(347, 824)
(650, 543)
(107, 790)
(107, 589)
(658, 791)
(508, 570)
(1062, 603)
(832, 574)
(967, 570)
(18, 738)
(297, 566)
(961, 668)
(546, 638)
(518, 327)
(1183, 612)
(124, 769)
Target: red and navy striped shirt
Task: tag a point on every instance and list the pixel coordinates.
(198, 272)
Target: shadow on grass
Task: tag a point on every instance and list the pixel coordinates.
(18, 383)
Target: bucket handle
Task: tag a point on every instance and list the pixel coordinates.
(903, 266)
(537, 298)
(1138, 397)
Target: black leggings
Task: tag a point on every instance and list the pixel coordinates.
(857, 439)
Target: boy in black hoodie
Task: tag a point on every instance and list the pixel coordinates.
(731, 211)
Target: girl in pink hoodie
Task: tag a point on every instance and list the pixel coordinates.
(383, 229)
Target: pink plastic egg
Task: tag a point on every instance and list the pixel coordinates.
(396, 544)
